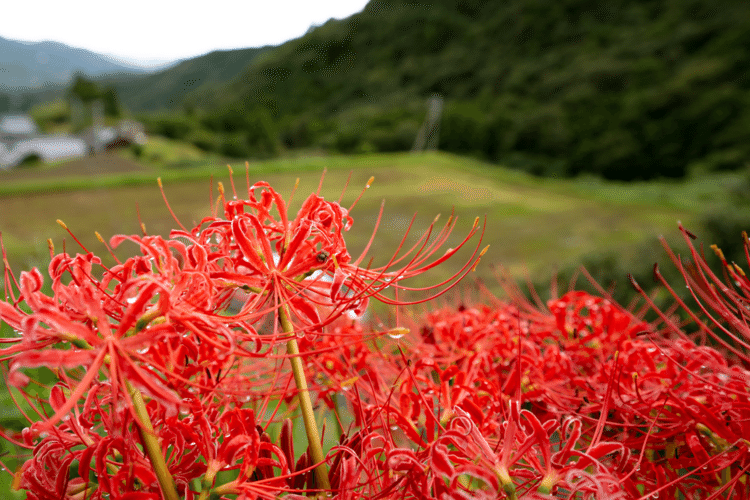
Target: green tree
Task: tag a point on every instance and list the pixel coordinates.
(111, 102)
(87, 91)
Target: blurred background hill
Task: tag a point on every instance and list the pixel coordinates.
(168, 89)
(622, 89)
(625, 90)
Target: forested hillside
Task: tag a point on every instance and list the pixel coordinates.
(626, 89)
(167, 90)
(622, 89)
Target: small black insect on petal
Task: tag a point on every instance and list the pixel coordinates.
(322, 256)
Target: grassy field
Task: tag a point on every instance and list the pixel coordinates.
(533, 225)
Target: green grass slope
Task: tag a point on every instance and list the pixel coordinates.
(533, 224)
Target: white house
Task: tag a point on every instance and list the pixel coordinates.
(14, 128)
(20, 141)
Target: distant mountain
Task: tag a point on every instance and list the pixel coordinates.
(41, 71)
(169, 88)
(31, 66)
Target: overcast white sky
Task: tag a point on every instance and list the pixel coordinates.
(149, 32)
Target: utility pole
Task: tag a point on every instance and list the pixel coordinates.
(428, 137)
(97, 125)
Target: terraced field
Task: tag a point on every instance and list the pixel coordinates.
(532, 224)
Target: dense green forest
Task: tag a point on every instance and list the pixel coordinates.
(622, 89)
(168, 89)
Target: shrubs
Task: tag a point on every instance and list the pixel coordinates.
(51, 115)
(172, 126)
(233, 133)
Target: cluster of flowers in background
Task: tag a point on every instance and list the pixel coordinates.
(167, 388)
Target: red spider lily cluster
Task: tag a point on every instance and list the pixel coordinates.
(576, 398)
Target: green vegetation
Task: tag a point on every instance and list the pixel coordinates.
(623, 90)
(169, 89)
(231, 132)
(535, 225)
(626, 90)
(52, 116)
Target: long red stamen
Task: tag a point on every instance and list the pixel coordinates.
(169, 207)
(64, 226)
(231, 180)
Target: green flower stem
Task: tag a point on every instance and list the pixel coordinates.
(506, 482)
(151, 444)
(311, 428)
(725, 474)
(207, 483)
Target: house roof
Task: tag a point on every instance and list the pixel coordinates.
(17, 125)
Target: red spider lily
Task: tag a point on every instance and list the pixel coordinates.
(119, 322)
(118, 327)
(151, 320)
(283, 264)
(157, 322)
(652, 420)
(425, 409)
(99, 436)
(574, 399)
(176, 288)
(82, 325)
(705, 401)
(460, 463)
(303, 263)
(264, 253)
(722, 303)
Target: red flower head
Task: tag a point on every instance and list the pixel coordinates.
(303, 263)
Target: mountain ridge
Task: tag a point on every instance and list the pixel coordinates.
(169, 88)
(31, 66)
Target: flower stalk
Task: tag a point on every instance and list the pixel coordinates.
(151, 444)
(303, 395)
